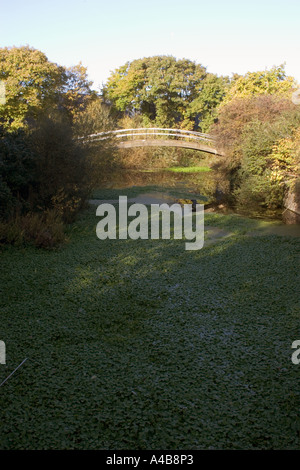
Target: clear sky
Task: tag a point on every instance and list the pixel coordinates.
(226, 36)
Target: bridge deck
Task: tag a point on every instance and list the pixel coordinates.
(151, 137)
(167, 143)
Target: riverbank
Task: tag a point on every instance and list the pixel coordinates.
(229, 221)
(139, 344)
(208, 186)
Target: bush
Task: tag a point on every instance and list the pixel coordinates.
(44, 181)
(235, 115)
(43, 230)
(17, 168)
(96, 117)
(39, 165)
(269, 163)
(102, 154)
(62, 164)
(259, 138)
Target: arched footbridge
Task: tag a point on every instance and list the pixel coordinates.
(158, 137)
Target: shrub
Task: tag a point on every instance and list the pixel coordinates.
(235, 115)
(258, 136)
(44, 230)
(62, 164)
(285, 159)
(102, 154)
(43, 170)
(17, 168)
(270, 162)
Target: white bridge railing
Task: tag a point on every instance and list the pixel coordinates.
(152, 132)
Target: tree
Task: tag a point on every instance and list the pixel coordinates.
(267, 82)
(17, 171)
(77, 93)
(270, 162)
(102, 153)
(237, 113)
(259, 135)
(161, 89)
(42, 165)
(96, 117)
(33, 84)
(63, 167)
(203, 109)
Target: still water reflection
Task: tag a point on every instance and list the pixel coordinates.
(208, 185)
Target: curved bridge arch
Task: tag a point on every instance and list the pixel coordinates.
(158, 137)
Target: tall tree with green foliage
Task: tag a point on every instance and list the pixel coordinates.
(33, 85)
(77, 93)
(203, 110)
(267, 82)
(165, 91)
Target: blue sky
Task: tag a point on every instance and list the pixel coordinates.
(225, 36)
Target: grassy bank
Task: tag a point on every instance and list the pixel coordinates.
(188, 169)
(143, 345)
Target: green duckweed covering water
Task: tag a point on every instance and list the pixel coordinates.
(143, 345)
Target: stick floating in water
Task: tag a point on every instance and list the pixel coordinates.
(13, 372)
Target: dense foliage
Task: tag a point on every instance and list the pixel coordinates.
(266, 82)
(46, 172)
(41, 170)
(47, 165)
(17, 162)
(258, 130)
(166, 92)
(34, 85)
